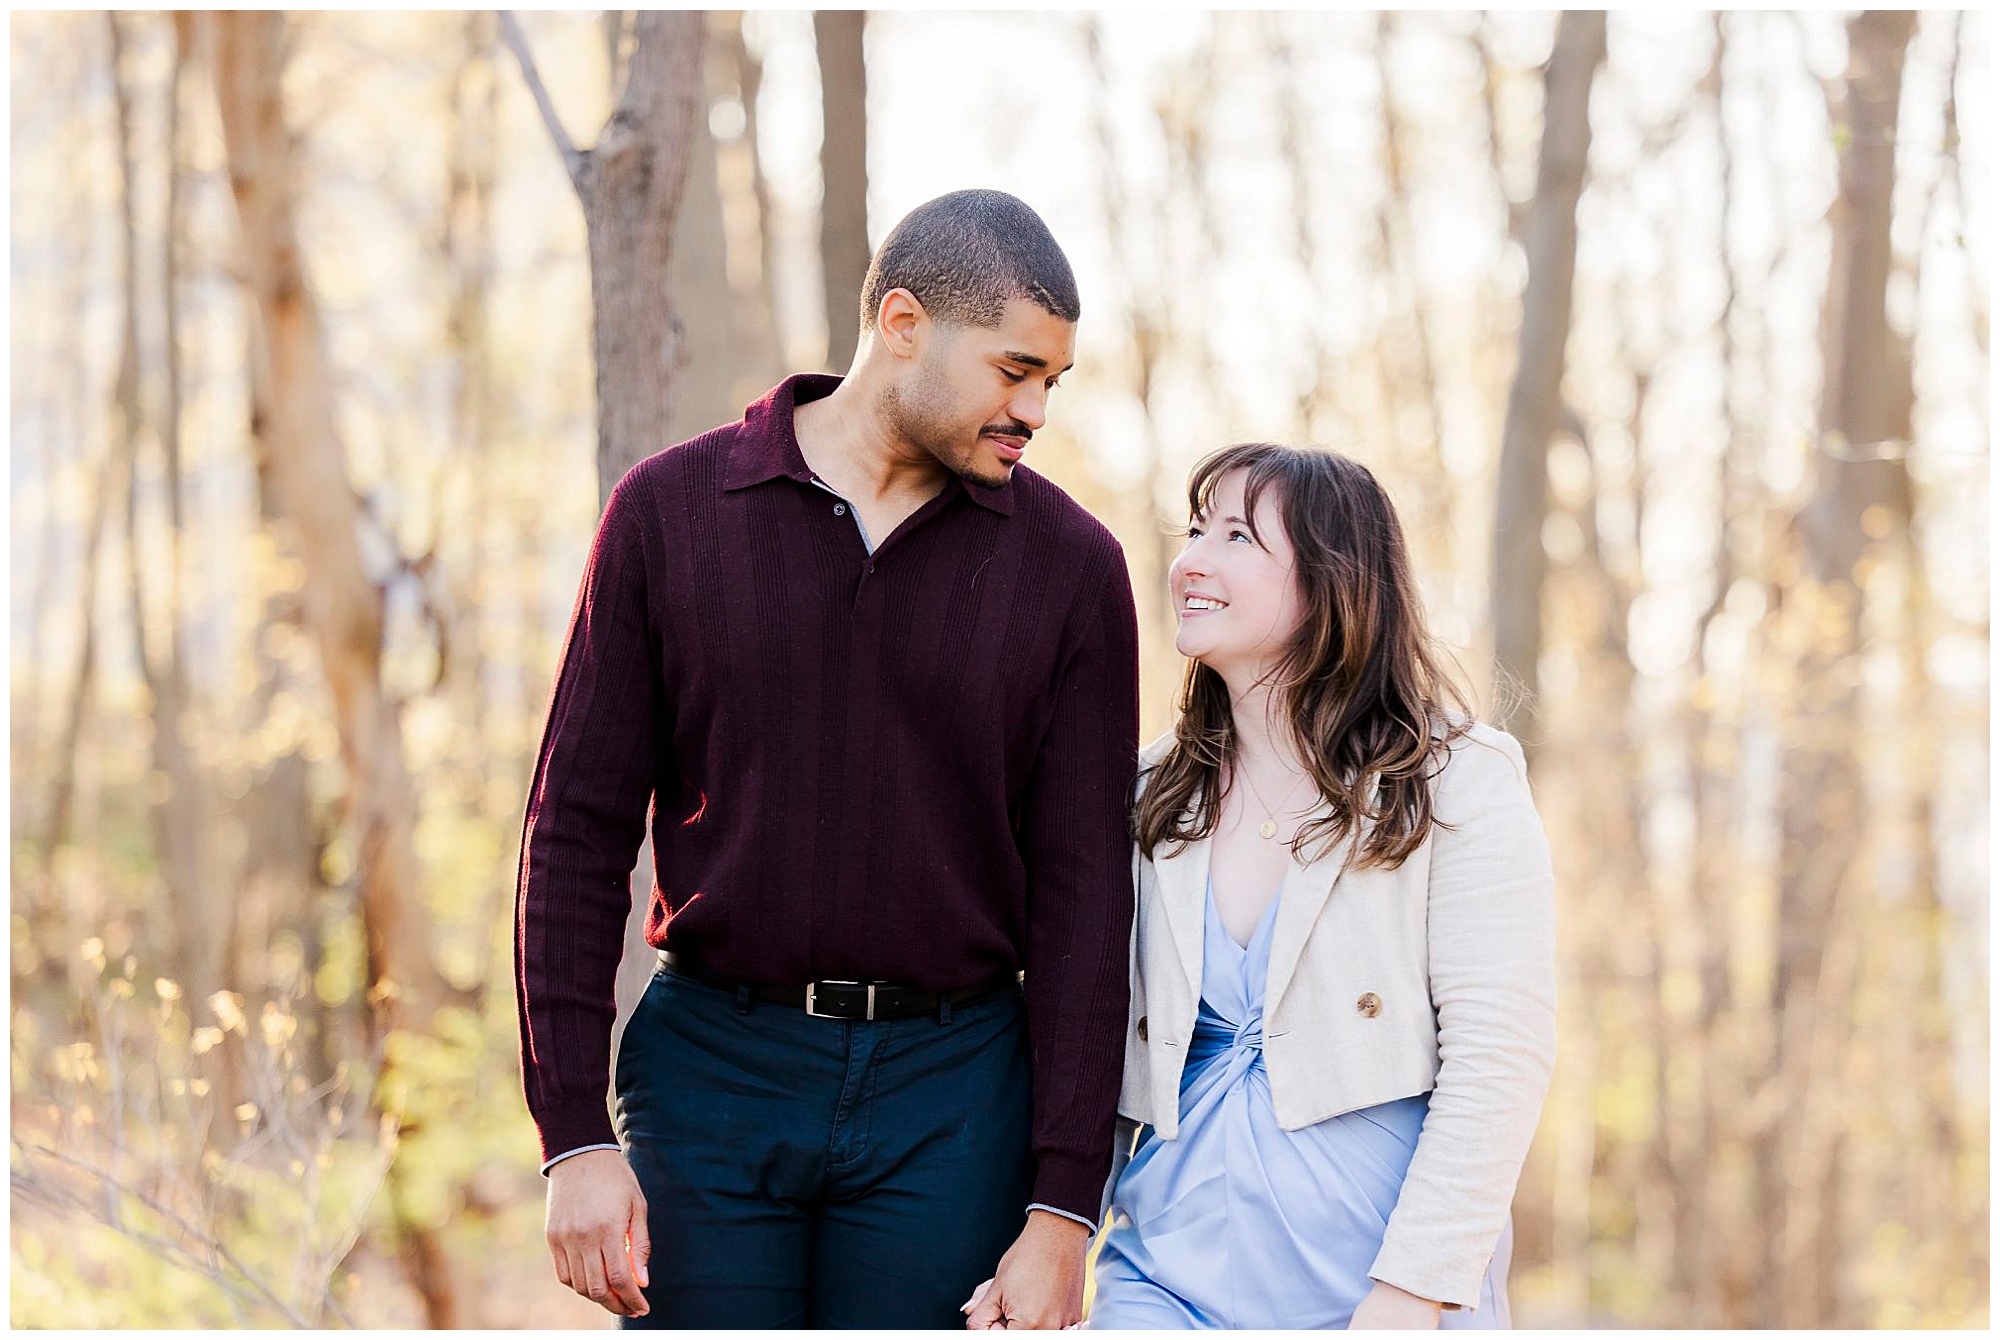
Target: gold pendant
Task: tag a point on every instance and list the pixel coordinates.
(1269, 828)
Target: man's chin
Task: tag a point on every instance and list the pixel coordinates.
(987, 474)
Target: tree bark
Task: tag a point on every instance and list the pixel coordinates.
(342, 605)
(1860, 494)
(706, 391)
(1521, 498)
(283, 881)
(62, 791)
(1319, 397)
(1708, 727)
(631, 185)
(747, 74)
(1401, 271)
(843, 158)
(174, 789)
(1148, 320)
(468, 258)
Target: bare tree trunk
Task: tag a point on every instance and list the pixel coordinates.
(175, 788)
(1320, 396)
(1533, 405)
(342, 605)
(1932, 1110)
(706, 392)
(1401, 271)
(1699, 1262)
(1148, 320)
(743, 176)
(468, 255)
(282, 881)
(1860, 487)
(631, 184)
(63, 789)
(843, 157)
(44, 753)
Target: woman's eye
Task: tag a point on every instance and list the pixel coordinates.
(1238, 535)
(1193, 531)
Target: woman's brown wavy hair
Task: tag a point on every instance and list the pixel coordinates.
(1360, 683)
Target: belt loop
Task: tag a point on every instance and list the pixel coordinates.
(944, 1007)
(743, 999)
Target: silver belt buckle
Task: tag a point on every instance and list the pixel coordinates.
(811, 987)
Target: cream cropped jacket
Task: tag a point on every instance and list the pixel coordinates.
(1436, 976)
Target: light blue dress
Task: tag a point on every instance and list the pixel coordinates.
(1239, 1223)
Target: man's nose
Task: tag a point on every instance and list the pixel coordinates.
(1031, 408)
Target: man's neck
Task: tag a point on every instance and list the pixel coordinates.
(847, 442)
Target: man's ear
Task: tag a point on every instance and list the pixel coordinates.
(901, 323)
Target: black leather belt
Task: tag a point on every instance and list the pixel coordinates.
(839, 999)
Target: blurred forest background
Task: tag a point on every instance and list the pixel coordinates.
(1670, 334)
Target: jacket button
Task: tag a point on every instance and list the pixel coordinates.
(1142, 1028)
(1370, 1004)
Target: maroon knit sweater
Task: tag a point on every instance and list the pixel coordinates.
(911, 766)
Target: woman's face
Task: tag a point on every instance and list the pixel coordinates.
(1237, 599)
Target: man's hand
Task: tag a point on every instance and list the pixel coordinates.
(1387, 1308)
(1039, 1285)
(597, 1230)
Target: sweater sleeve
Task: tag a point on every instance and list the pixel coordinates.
(586, 814)
(1077, 851)
(1492, 981)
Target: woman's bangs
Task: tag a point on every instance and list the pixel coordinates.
(1265, 466)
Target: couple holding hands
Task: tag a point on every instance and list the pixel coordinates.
(954, 977)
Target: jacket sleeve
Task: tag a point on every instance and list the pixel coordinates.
(1492, 983)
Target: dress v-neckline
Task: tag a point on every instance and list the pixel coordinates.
(1270, 914)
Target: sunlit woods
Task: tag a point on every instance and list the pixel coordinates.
(1681, 389)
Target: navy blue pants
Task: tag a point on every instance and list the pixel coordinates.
(815, 1172)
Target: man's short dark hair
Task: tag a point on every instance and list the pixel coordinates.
(965, 254)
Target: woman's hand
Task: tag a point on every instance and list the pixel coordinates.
(1039, 1283)
(1387, 1308)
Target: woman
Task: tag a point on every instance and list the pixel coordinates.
(1343, 966)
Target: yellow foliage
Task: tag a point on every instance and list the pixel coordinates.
(277, 1026)
(228, 1008)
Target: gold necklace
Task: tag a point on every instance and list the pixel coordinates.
(1269, 828)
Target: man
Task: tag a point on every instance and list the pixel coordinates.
(880, 685)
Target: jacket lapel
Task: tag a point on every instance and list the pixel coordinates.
(1183, 884)
(1303, 898)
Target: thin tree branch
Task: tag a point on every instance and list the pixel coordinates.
(573, 158)
(216, 1246)
(30, 1189)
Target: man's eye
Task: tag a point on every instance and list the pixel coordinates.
(1053, 382)
(1015, 377)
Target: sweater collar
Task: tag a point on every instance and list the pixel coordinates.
(768, 448)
